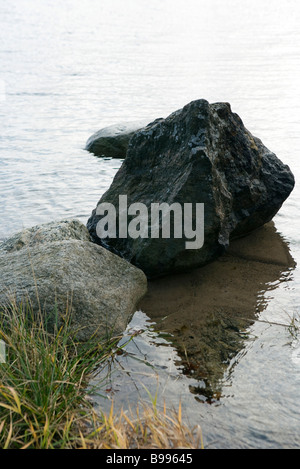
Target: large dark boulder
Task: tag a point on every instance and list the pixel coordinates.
(199, 154)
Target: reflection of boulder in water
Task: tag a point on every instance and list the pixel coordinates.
(207, 349)
(208, 311)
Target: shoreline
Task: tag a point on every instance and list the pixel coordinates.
(250, 267)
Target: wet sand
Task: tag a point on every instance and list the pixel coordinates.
(208, 310)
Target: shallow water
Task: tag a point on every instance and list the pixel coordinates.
(69, 68)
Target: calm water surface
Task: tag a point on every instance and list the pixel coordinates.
(68, 68)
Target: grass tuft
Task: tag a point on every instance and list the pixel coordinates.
(43, 394)
(145, 429)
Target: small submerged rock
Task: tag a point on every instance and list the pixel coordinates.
(57, 269)
(199, 154)
(112, 141)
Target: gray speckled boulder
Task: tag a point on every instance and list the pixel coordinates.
(56, 268)
(199, 154)
(112, 141)
(46, 233)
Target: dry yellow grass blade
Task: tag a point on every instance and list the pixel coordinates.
(149, 428)
(44, 403)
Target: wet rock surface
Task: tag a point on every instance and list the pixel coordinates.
(199, 154)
